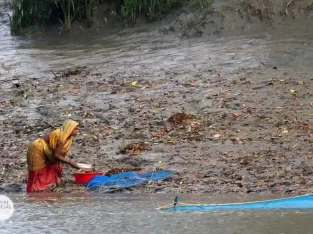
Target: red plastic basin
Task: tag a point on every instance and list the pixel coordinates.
(85, 177)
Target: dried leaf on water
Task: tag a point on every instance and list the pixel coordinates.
(158, 134)
(179, 118)
(74, 71)
(134, 147)
(195, 124)
(171, 142)
(73, 90)
(237, 140)
(216, 136)
(114, 171)
(134, 83)
(155, 110)
(284, 131)
(109, 132)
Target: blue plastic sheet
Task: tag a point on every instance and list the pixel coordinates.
(125, 180)
(298, 202)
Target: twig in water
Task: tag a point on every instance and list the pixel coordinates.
(54, 74)
(288, 4)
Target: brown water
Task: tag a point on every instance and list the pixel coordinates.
(137, 214)
(142, 52)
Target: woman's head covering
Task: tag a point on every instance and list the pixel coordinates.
(63, 134)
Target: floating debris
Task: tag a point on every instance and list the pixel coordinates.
(134, 147)
(115, 171)
(179, 118)
(74, 71)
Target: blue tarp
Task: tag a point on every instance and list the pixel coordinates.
(298, 202)
(125, 180)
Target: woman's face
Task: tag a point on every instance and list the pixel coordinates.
(75, 131)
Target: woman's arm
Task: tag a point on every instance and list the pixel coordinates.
(58, 156)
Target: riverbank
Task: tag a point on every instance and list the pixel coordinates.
(248, 98)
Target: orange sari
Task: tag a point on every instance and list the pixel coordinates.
(44, 179)
(43, 169)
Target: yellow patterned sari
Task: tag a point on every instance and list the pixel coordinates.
(41, 152)
(43, 169)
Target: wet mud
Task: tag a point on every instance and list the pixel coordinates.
(228, 115)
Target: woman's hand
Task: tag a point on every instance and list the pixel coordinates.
(74, 165)
(58, 156)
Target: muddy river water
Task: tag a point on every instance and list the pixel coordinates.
(142, 53)
(137, 214)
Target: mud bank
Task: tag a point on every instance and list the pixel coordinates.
(227, 17)
(252, 131)
(248, 98)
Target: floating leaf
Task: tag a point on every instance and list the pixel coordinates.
(189, 129)
(73, 90)
(284, 131)
(171, 142)
(216, 136)
(134, 83)
(293, 90)
(195, 123)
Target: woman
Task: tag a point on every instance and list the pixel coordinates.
(45, 154)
